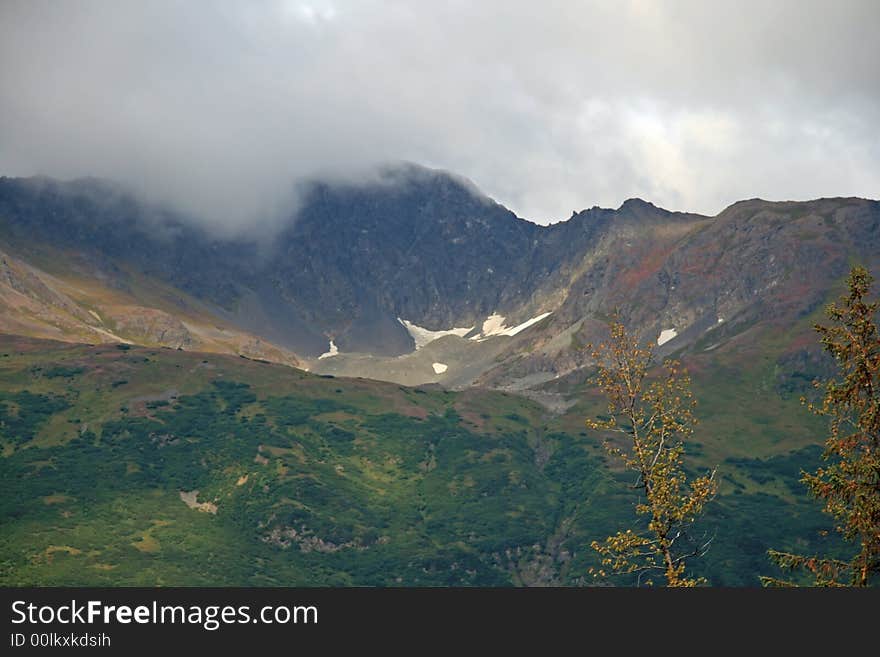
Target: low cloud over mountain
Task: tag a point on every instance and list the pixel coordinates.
(219, 107)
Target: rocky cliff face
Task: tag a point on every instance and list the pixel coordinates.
(420, 246)
(698, 284)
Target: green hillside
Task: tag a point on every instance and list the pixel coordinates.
(125, 465)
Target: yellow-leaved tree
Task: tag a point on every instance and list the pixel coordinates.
(849, 483)
(653, 419)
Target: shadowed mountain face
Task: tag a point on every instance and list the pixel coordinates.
(427, 247)
(421, 246)
(418, 245)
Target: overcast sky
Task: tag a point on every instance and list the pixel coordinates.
(547, 106)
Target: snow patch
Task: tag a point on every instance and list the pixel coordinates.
(439, 368)
(666, 335)
(422, 336)
(720, 320)
(526, 324)
(494, 325)
(334, 351)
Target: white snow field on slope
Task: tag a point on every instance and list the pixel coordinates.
(494, 325)
(526, 324)
(439, 368)
(422, 336)
(665, 336)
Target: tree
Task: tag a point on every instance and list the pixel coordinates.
(657, 418)
(849, 484)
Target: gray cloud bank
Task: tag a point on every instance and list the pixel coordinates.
(549, 106)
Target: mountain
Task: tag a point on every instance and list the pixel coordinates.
(415, 276)
(758, 268)
(416, 244)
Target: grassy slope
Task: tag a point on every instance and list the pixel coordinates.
(760, 438)
(322, 481)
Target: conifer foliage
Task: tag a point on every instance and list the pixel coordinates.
(849, 482)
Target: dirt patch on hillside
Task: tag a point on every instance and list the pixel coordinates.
(190, 498)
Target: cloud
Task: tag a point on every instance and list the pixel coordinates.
(549, 107)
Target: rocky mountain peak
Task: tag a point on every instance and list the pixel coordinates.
(636, 203)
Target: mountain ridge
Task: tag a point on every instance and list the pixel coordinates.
(427, 247)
